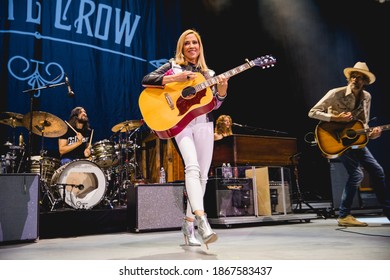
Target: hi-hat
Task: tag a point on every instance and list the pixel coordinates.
(45, 124)
(14, 147)
(8, 143)
(11, 119)
(126, 126)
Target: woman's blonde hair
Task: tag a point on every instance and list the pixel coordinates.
(179, 56)
(220, 127)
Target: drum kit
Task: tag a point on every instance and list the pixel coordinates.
(100, 181)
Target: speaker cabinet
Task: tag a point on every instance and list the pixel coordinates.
(154, 207)
(229, 197)
(365, 197)
(19, 207)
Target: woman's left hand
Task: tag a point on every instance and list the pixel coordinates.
(222, 85)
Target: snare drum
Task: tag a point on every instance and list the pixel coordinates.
(105, 153)
(49, 166)
(84, 182)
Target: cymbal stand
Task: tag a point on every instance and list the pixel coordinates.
(11, 157)
(43, 181)
(125, 172)
(137, 173)
(117, 194)
(21, 160)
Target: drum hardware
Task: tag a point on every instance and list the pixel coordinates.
(9, 160)
(8, 144)
(118, 160)
(42, 123)
(56, 200)
(45, 125)
(114, 196)
(21, 161)
(127, 126)
(11, 119)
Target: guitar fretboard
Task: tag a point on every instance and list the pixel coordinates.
(368, 130)
(264, 62)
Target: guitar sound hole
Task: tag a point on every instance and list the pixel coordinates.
(351, 133)
(188, 92)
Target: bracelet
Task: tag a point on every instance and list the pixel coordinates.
(221, 98)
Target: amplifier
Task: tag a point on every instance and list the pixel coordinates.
(19, 207)
(229, 197)
(154, 207)
(280, 197)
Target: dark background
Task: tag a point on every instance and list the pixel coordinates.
(312, 41)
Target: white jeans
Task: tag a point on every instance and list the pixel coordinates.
(196, 143)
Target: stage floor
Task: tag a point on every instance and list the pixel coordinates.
(319, 239)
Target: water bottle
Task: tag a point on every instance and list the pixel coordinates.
(223, 170)
(229, 171)
(162, 176)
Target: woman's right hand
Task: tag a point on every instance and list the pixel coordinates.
(186, 76)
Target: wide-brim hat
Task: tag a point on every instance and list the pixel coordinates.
(362, 68)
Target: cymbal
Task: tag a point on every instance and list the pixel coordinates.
(126, 126)
(14, 147)
(8, 143)
(11, 119)
(45, 124)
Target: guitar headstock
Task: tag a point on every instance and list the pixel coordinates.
(263, 61)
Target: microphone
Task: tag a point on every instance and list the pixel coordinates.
(80, 186)
(237, 124)
(70, 92)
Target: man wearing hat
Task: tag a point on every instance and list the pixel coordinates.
(347, 104)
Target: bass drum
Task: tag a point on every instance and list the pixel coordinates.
(85, 184)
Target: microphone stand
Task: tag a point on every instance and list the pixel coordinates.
(259, 128)
(32, 92)
(300, 199)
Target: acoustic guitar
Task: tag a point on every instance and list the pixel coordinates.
(167, 111)
(334, 138)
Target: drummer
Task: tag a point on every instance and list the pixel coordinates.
(75, 143)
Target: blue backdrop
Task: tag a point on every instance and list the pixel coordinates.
(105, 47)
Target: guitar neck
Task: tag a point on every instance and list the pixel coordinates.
(368, 130)
(265, 61)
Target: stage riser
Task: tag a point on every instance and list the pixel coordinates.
(68, 222)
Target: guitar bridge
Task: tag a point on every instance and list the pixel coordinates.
(169, 100)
